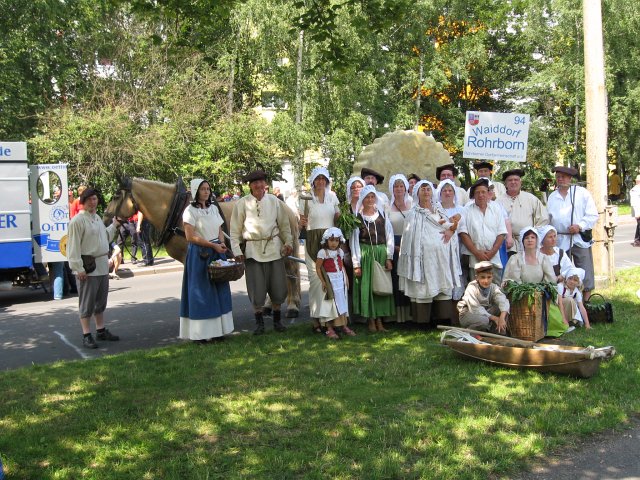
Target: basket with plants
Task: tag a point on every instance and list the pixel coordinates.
(528, 302)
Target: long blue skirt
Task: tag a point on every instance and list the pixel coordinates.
(205, 307)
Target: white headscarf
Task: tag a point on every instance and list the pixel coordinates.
(441, 185)
(366, 191)
(575, 271)
(526, 230)
(350, 182)
(195, 185)
(403, 179)
(315, 173)
(542, 232)
(417, 186)
(334, 232)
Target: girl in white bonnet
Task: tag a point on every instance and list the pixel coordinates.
(332, 274)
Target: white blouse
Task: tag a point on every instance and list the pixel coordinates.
(205, 221)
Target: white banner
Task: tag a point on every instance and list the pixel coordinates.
(50, 209)
(496, 136)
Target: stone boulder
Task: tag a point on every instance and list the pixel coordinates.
(403, 151)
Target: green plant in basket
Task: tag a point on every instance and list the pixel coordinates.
(517, 291)
(347, 222)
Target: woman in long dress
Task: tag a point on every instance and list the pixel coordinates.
(428, 266)
(532, 266)
(372, 242)
(317, 215)
(447, 195)
(205, 307)
(401, 204)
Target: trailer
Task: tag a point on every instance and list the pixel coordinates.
(34, 215)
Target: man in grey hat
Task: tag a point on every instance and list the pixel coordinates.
(261, 237)
(573, 213)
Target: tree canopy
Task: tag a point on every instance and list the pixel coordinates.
(166, 88)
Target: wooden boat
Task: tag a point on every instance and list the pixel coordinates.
(582, 362)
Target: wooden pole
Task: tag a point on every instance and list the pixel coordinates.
(596, 129)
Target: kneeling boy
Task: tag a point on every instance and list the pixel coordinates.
(483, 305)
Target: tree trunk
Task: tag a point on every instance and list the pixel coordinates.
(596, 127)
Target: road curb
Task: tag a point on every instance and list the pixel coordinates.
(163, 265)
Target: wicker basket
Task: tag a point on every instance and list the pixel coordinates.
(600, 311)
(227, 273)
(525, 320)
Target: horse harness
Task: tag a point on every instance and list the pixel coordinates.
(174, 219)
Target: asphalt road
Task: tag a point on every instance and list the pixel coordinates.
(142, 310)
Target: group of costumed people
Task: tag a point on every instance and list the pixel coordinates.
(438, 244)
(435, 242)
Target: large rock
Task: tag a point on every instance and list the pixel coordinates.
(403, 151)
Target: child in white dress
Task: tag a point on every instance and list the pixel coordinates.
(332, 274)
(570, 299)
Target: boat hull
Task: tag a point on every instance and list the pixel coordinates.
(553, 360)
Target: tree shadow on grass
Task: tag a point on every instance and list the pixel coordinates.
(297, 406)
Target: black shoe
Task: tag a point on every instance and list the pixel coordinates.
(107, 335)
(279, 327)
(89, 342)
(217, 339)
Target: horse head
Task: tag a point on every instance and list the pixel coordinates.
(122, 203)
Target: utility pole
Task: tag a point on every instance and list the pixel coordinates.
(596, 135)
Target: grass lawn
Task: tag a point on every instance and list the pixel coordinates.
(295, 405)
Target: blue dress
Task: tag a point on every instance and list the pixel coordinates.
(205, 307)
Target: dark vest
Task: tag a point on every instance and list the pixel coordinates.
(369, 231)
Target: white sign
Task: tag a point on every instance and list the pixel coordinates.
(13, 151)
(50, 206)
(496, 136)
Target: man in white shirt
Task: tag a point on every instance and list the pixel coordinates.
(484, 229)
(260, 234)
(450, 172)
(88, 250)
(573, 213)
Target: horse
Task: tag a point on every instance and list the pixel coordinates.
(162, 205)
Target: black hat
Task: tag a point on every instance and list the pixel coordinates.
(367, 171)
(413, 176)
(484, 182)
(449, 166)
(566, 170)
(516, 171)
(479, 165)
(253, 176)
(89, 192)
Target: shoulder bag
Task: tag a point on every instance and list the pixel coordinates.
(381, 281)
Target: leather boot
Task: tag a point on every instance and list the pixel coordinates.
(371, 325)
(379, 325)
(277, 325)
(259, 324)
